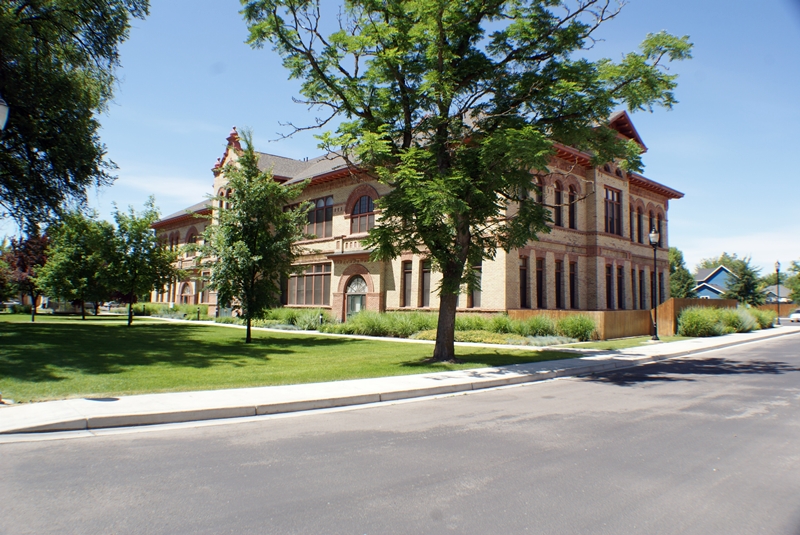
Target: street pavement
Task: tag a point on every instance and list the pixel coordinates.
(702, 444)
(88, 414)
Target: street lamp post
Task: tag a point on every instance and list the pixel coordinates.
(778, 288)
(654, 238)
(3, 113)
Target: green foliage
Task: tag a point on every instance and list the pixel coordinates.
(765, 318)
(578, 326)
(745, 286)
(141, 263)
(57, 73)
(730, 261)
(489, 337)
(710, 321)
(395, 325)
(538, 326)
(681, 282)
(24, 258)
(254, 244)
(440, 107)
(80, 257)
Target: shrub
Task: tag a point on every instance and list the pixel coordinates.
(700, 321)
(765, 318)
(537, 326)
(502, 324)
(229, 320)
(737, 320)
(472, 322)
(578, 326)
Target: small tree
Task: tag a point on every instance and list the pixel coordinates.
(730, 261)
(141, 263)
(6, 288)
(253, 245)
(25, 257)
(79, 260)
(745, 287)
(681, 282)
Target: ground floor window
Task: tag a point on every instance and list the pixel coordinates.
(311, 287)
(425, 284)
(559, 284)
(540, 283)
(356, 295)
(523, 283)
(573, 285)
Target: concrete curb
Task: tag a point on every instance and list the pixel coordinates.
(150, 409)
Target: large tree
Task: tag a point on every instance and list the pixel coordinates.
(730, 261)
(457, 106)
(253, 244)
(745, 286)
(24, 258)
(141, 263)
(681, 282)
(79, 260)
(57, 62)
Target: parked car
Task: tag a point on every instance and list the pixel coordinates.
(795, 316)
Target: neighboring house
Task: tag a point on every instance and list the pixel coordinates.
(713, 282)
(597, 256)
(771, 294)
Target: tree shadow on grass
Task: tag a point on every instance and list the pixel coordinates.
(684, 369)
(44, 351)
(487, 357)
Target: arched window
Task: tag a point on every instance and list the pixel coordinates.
(363, 217)
(640, 225)
(607, 168)
(228, 196)
(356, 295)
(320, 218)
(539, 190)
(558, 211)
(573, 208)
(618, 173)
(652, 221)
(660, 231)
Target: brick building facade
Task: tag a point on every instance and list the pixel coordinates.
(597, 256)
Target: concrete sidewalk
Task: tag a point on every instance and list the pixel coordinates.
(99, 413)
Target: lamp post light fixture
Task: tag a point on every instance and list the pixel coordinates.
(3, 113)
(654, 238)
(778, 287)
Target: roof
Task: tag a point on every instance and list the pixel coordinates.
(621, 122)
(185, 213)
(716, 288)
(705, 274)
(643, 182)
(785, 292)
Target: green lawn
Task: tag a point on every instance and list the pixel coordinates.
(63, 357)
(624, 343)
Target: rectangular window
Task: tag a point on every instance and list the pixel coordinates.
(573, 285)
(425, 284)
(610, 287)
(633, 236)
(310, 287)
(661, 287)
(559, 284)
(620, 288)
(558, 210)
(320, 217)
(640, 226)
(633, 289)
(642, 296)
(573, 209)
(613, 211)
(523, 283)
(475, 295)
(406, 284)
(653, 295)
(540, 283)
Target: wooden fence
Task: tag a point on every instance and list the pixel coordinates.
(669, 311)
(785, 308)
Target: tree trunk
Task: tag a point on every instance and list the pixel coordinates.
(444, 350)
(130, 313)
(83, 310)
(96, 308)
(33, 307)
(247, 338)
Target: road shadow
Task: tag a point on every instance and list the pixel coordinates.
(685, 369)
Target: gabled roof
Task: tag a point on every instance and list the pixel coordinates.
(621, 122)
(706, 274)
(190, 212)
(785, 292)
(716, 288)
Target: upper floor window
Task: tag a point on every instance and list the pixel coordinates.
(640, 226)
(320, 217)
(660, 230)
(558, 211)
(613, 211)
(363, 217)
(573, 208)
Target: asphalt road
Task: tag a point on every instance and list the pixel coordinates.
(709, 444)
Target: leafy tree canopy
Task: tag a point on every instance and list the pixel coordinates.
(730, 261)
(454, 104)
(24, 257)
(253, 246)
(745, 286)
(57, 61)
(681, 282)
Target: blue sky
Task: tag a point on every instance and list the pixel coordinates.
(728, 144)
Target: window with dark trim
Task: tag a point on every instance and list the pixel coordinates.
(660, 232)
(475, 293)
(620, 288)
(406, 284)
(653, 289)
(311, 287)
(524, 300)
(540, 301)
(640, 225)
(630, 222)
(559, 284)
(573, 285)
(634, 301)
(613, 211)
(610, 287)
(572, 210)
(558, 209)
(320, 217)
(652, 223)
(642, 294)
(363, 216)
(425, 284)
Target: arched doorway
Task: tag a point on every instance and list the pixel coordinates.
(356, 295)
(187, 297)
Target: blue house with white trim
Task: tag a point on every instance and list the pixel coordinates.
(712, 283)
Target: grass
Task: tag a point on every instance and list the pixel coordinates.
(624, 343)
(62, 357)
